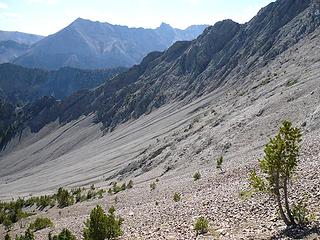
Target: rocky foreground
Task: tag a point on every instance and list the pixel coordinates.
(153, 214)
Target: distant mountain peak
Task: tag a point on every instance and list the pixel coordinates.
(90, 45)
(165, 25)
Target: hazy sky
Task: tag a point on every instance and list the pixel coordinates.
(48, 16)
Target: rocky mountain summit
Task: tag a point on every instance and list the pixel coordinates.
(222, 94)
(87, 44)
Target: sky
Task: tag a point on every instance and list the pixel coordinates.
(46, 17)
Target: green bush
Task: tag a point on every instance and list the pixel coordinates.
(177, 197)
(196, 176)
(116, 188)
(28, 235)
(64, 198)
(201, 225)
(41, 223)
(7, 223)
(44, 201)
(300, 213)
(7, 237)
(102, 226)
(12, 212)
(100, 193)
(91, 194)
(65, 234)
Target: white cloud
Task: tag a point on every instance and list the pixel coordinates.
(3, 6)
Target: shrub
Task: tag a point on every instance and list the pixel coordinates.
(177, 197)
(65, 234)
(90, 194)
(7, 237)
(41, 223)
(101, 226)
(116, 188)
(277, 168)
(113, 225)
(153, 186)
(28, 235)
(78, 197)
(44, 201)
(300, 213)
(100, 193)
(12, 212)
(64, 198)
(7, 223)
(196, 176)
(201, 225)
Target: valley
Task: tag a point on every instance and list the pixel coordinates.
(224, 94)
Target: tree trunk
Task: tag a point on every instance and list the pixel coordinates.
(278, 198)
(286, 201)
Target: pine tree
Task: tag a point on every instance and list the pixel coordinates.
(101, 226)
(277, 167)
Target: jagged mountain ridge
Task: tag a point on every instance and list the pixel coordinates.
(222, 55)
(88, 44)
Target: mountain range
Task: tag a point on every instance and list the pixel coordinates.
(223, 55)
(89, 45)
